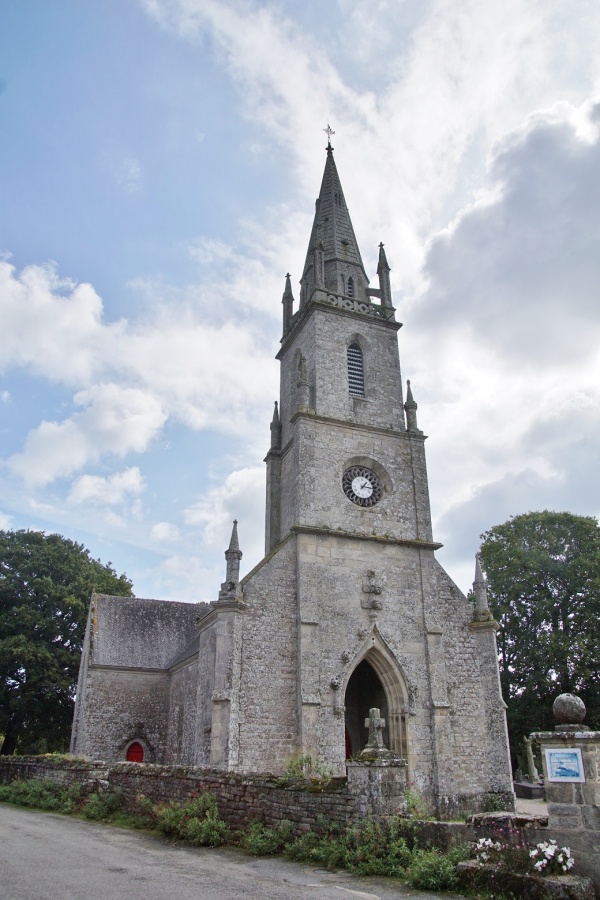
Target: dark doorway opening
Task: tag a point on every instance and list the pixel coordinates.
(364, 691)
(135, 752)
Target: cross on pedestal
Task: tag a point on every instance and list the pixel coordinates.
(375, 724)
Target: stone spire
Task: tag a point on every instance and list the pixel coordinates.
(333, 261)
(276, 429)
(233, 555)
(288, 303)
(482, 611)
(411, 411)
(383, 273)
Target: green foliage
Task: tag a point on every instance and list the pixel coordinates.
(144, 812)
(376, 848)
(304, 766)
(103, 807)
(259, 840)
(417, 807)
(494, 803)
(198, 821)
(432, 870)
(45, 586)
(368, 848)
(41, 794)
(543, 572)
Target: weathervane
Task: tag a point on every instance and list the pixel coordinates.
(329, 131)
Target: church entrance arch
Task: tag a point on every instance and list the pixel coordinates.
(375, 682)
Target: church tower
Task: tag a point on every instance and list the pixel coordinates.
(374, 620)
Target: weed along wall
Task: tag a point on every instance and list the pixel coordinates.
(241, 798)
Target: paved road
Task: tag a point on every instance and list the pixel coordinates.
(49, 857)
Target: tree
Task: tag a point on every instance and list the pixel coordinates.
(46, 582)
(543, 572)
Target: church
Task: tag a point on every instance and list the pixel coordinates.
(349, 608)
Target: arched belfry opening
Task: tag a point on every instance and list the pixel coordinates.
(376, 682)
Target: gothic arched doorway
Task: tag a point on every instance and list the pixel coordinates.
(376, 682)
(364, 691)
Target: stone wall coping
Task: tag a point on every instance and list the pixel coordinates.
(563, 736)
(137, 669)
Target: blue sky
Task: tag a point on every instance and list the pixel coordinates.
(159, 163)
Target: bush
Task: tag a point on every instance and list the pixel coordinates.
(432, 870)
(42, 794)
(376, 848)
(103, 807)
(370, 848)
(259, 840)
(197, 821)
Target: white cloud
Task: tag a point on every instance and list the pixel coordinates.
(520, 266)
(165, 532)
(114, 420)
(52, 326)
(176, 364)
(111, 490)
(505, 358)
(241, 496)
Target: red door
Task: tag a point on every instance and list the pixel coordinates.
(135, 752)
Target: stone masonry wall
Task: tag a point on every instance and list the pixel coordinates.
(241, 798)
(268, 723)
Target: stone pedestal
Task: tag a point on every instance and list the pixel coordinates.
(379, 786)
(572, 804)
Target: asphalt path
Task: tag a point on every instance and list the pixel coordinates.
(44, 856)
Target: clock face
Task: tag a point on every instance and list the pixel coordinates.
(361, 485)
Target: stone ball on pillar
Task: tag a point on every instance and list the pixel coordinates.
(568, 709)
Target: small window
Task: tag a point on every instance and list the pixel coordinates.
(351, 287)
(356, 372)
(135, 752)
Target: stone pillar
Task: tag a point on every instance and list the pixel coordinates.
(379, 786)
(378, 778)
(571, 803)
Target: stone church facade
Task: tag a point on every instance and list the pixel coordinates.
(348, 610)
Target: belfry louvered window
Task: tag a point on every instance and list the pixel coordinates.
(356, 371)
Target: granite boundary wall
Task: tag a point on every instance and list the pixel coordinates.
(241, 798)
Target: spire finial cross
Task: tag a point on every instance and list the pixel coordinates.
(329, 131)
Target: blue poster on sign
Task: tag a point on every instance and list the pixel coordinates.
(564, 765)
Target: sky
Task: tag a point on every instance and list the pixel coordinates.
(159, 162)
